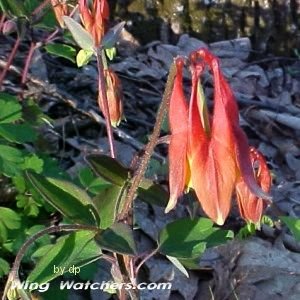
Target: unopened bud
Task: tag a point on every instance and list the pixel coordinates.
(9, 27)
(114, 97)
(60, 10)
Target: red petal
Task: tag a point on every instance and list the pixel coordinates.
(178, 119)
(251, 207)
(86, 16)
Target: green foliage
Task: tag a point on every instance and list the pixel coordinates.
(17, 222)
(111, 53)
(152, 193)
(13, 8)
(110, 200)
(4, 267)
(178, 265)
(293, 224)
(80, 35)
(62, 50)
(78, 249)
(9, 219)
(90, 182)
(188, 239)
(11, 110)
(83, 57)
(71, 201)
(112, 36)
(118, 238)
(108, 168)
(108, 204)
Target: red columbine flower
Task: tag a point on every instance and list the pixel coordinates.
(251, 207)
(114, 97)
(213, 148)
(225, 154)
(60, 8)
(94, 19)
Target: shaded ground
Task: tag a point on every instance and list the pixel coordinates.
(268, 93)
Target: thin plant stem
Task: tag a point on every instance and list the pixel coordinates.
(2, 19)
(149, 149)
(13, 275)
(9, 60)
(40, 7)
(103, 96)
(52, 36)
(32, 48)
(144, 260)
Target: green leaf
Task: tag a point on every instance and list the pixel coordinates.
(111, 53)
(152, 193)
(92, 183)
(10, 218)
(293, 224)
(108, 202)
(4, 267)
(178, 265)
(70, 200)
(246, 231)
(11, 154)
(108, 168)
(13, 8)
(19, 183)
(11, 110)
(3, 233)
(86, 177)
(118, 238)
(185, 238)
(112, 36)
(78, 249)
(83, 57)
(33, 163)
(18, 133)
(267, 221)
(80, 35)
(11, 160)
(29, 206)
(62, 50)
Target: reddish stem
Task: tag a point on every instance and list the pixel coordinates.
(102, 95)
(9, 60)
(2, 21)
(52, 36)
(40, 7)
(32, 48)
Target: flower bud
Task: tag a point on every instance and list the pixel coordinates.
(94, 18)
(114, 97)
(9, 27)
(60, 9)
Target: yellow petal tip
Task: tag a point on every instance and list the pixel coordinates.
(171, 204)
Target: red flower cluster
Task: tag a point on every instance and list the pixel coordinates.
(60, 9)
(94, 18)
(210, 153)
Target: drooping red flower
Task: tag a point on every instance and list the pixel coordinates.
(114, 97)
(251, 207)
(215, 152)
(94, 18)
